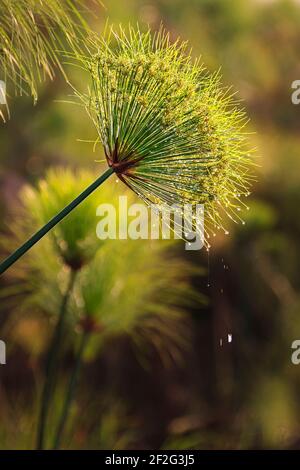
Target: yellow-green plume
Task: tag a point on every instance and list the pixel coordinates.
(31, 34)
(168, 128)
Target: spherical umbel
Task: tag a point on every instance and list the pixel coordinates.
(168, 128)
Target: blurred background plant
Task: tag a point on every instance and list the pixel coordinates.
(34, 34)
(243, 394)
(101, 289)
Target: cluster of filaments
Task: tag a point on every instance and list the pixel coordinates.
(171, 132)
(31, 33)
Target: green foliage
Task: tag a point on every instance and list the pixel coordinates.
(32, 32)
(168, 128)
(120, 285)
(242, 396)
(74, 238)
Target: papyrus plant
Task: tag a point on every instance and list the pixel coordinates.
(169, 130)
(32, 35)
(97, 288)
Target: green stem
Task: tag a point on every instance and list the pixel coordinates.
(57, 218)
(51, 365)
(70, 390)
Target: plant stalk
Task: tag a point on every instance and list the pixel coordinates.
(70, 390)
(54, 221)
(51, 365)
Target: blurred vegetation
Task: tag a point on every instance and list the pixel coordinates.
(112, 286)
(243, 394)
(34, 35)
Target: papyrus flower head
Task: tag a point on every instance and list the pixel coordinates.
(168, 128)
